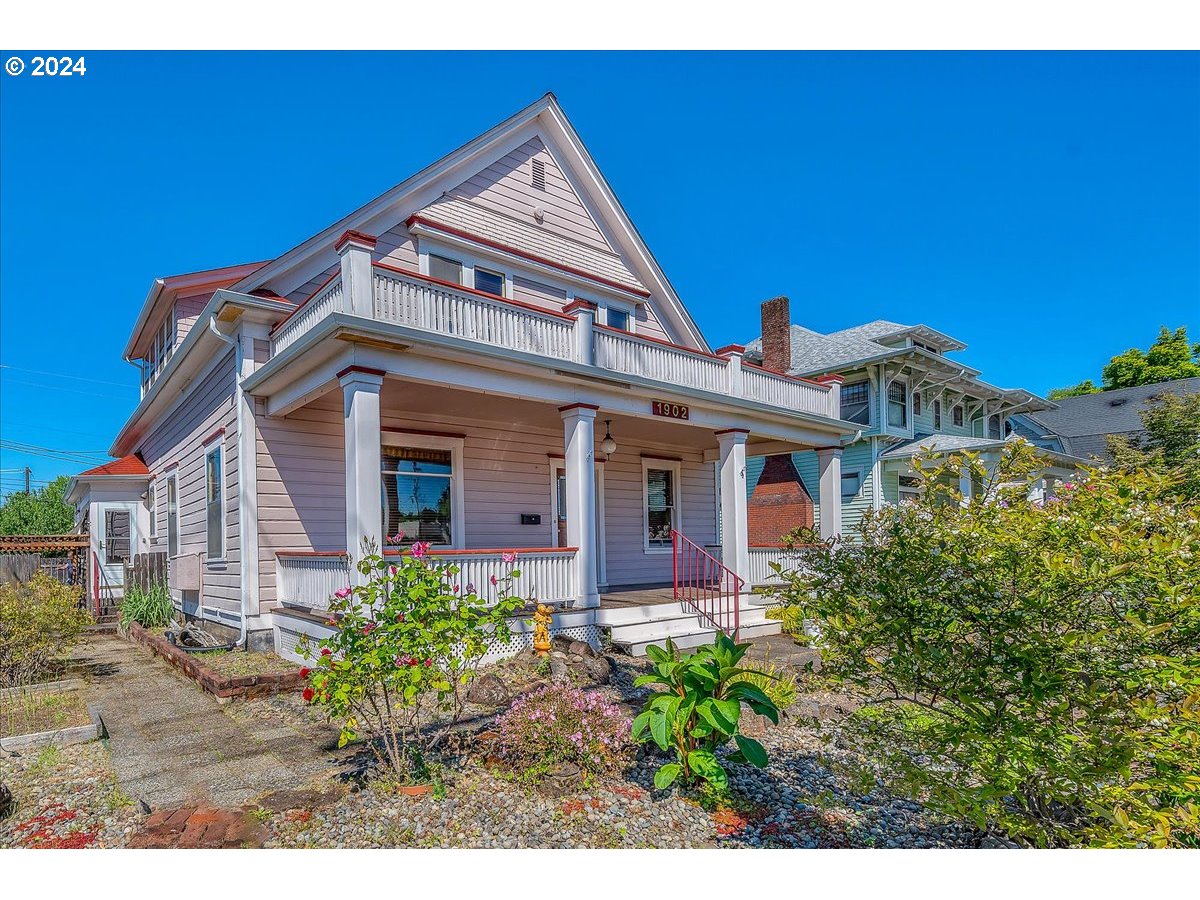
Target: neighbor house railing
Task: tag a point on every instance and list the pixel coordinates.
(761, 572)
(309, 578)
(424, 303)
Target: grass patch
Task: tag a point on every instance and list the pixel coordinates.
(29, 712)
(240, 663)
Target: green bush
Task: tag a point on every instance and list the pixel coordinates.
(789, 618)
(1032, 667)
(151, 608)
(775, 681)
(695, 710)
(39, 621)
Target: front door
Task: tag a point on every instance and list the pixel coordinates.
(558, 504)
(116, 544)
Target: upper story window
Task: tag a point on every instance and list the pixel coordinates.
(898, 404)
(956, 415)
(488, 282)
(214, 503)
(937, 413)
(927, 348)
(445, 269)
(994, 427)
(856, 403)
(917, 403)
(618, 318)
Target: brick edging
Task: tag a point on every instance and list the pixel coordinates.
(218, 685)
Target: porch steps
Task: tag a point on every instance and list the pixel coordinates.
(634, 628)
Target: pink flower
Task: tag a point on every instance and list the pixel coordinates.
(470, 588)
(392, 571)
(428, 663)
(368, 628)
(509, 557)
(331, 621)
(492, 579)
(325, 651)
(397, 537)
(456, 589)
(419, 549)
(343, 593)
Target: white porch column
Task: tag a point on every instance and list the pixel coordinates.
(358, 289)
(964, 485)
(584, 312)
(735, 544)
(732, 354)
(829, 468)
(364, 488)
(580, 450)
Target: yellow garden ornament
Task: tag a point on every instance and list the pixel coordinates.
(541, 629)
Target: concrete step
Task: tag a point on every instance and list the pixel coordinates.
(678, 622)
(693, 638)
(652, 612)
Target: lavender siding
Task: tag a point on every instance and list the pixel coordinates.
(174, 445)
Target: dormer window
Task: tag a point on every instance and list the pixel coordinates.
(445, 269)
(618, 318)
(489, 282)
(927, 347)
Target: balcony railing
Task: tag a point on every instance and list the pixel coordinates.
(308, 579)
(416, 301)
(761, 572)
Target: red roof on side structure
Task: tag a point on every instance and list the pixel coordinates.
(126, 465)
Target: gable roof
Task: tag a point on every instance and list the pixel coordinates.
(543, 118)
(125, 466)
(1084, 422)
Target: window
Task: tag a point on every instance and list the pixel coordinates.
(994, 427)
(909, 489)
(173, 516)
(957, 415)
(917, 403)
(898, 404)
(214, 503)
(152, 509)
(445, 269)
(662, 510)
(851, 484)
(937, 414)
(489, 282)
(856, 403)
(116, 536)
(418, 491)
(618, 318)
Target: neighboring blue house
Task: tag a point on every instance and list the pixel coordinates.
(907, 394)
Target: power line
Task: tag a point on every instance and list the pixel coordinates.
(54, 387)
(121, 384)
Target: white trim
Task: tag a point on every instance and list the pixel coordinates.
(629, 309)
(458, 510)
(173, 487)
(152, 496)
(601, 551)
(862, 481)
(215, 445)
(675, 467)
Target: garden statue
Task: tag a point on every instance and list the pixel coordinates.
(541, 629)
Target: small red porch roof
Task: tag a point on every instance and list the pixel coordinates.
(126, 465)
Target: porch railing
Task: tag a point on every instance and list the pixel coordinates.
(308, 579)
(761, 572)
(417, 301)
(704, 584)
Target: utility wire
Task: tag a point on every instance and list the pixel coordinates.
(54, 387)
(121, 384)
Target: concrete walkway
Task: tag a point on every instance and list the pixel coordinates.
(173, 744)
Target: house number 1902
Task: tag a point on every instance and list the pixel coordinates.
(669, 410)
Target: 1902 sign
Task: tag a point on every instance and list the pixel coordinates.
(669, 410)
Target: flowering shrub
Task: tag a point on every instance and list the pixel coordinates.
(406, 646)
(39, 621)
(558, 723)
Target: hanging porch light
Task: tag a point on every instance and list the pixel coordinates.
(608, 446)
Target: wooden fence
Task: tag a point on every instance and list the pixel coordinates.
(63, 557)
(145, 570)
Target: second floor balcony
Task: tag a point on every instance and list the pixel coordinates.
(425, 304)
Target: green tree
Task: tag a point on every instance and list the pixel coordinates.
(1171, 444)
(1087, 386)
(1032, 667)
(43, 511)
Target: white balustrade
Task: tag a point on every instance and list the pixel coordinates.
(801, 396)
(429, 306)
(328, 300)
(309, 580)
(761, 558)
(632, 355)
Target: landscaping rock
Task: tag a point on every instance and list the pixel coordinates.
(561, 781)
(7, 804)
(488, 690)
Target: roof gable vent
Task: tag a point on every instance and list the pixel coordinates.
(539, 175)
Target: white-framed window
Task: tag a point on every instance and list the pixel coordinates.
(909, 489)
(956, 415)
(897, 404)
(445, 269)
(152, 508)
(660, 503)
(489, 282)
(617, 315)
(173, 514)
(422, 489)
(214, 502)
(117, 536)
(917, 403)
(937, 413)
(993, 428)
(852, 482)
(856, 403)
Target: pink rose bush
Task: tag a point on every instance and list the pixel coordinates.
(559, 723)
(405, 646)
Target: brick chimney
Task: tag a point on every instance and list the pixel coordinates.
(776, 334)
(779, 504)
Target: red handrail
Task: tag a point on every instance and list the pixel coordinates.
(705, 584)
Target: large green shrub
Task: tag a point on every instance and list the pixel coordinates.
(405, 648)
(150, 608)
(39, 621)
(695, 710)
(1035, 668)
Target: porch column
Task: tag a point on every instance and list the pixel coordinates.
(364, 488)
(358, 290)
(735, 542)
(579, 450)
(829, 468)
(964, 485)
(584, 312)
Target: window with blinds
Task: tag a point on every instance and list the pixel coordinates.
(214, 503)
(660, 507)
(417, 496)
(116, 536)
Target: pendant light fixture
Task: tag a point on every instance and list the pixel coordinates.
(608, 446)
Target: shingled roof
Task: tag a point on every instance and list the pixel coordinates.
(126, 465)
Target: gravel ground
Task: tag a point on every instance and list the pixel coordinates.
(66, 798)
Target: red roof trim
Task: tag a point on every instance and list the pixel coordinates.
(487, 242)
(126, 465)
(215, 433)
(571, 406)
(730, 349)
(394, 429)
(733, 431)
(579, 303)
(359, 237)
(831, 378)
(364, 370)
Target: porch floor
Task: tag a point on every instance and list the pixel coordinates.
(636, 595)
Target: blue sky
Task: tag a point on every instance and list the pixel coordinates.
(1044, 208)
